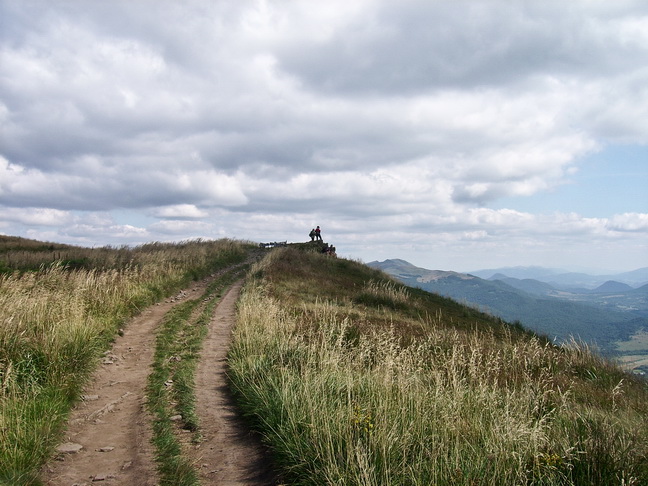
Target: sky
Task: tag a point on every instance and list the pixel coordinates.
(457, 135)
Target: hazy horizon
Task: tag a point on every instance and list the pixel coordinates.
(589, 271)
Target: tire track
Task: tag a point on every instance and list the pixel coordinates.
(229, 454)
(108, 436)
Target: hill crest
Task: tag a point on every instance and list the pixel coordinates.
(404, 269)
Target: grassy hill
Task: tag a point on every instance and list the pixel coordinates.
(356, 379)
(351, 377)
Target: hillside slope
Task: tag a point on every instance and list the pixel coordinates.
(525, 302)
(356, 379)
(58, 322)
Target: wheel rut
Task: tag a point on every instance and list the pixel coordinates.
(108, 437)
(229, 453)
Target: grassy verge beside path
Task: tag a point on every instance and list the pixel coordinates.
(58, 320)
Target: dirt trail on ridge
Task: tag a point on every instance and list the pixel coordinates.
(107, 440)
(228, 454)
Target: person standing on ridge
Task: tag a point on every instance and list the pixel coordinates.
(318, 234)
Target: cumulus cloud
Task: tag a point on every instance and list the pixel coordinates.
(418, 46)
(95, 184)
(110, 233)
(179, 211)
(629, 222)
(35, 216)
(401, 119)
(181, 227)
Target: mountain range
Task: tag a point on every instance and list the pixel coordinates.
(561, 279)
(600, 310)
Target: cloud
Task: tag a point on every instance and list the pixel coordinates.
(418, 46)
(96, 184)
(179, 211)
(35, 216)
(635, 222)
(90, 232)
(181, 227)
(111, 90)
(402, 119)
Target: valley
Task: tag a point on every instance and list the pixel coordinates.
(609, 313)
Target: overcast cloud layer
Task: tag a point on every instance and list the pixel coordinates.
(396, 126)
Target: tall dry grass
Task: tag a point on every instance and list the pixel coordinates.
(357, 404)
(57, 321)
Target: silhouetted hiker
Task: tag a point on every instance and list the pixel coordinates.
(312, 235)
(318, 234)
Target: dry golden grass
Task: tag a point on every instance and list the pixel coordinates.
(355, 380)
(57, 320)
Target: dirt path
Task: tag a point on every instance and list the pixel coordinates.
(108, 436)
(228, 454)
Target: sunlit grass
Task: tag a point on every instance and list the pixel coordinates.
(57, 321)
(350, 387)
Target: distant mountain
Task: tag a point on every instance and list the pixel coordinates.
(537, 273)
(403, 269)
(612, 286)
(528, 301)
(562, 279)
(641, 290)
(611, 295)
(638, 275)
(529, 285)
